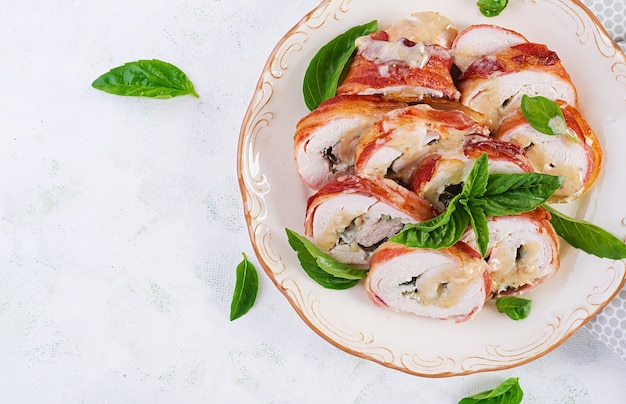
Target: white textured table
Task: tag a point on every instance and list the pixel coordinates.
(121, 225)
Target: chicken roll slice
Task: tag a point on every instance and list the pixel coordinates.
(522, 253)
(479, 40)
(394, 145)
(441, 175)
(450, 283)
(325, 139)
(577, 160)
(401, 70)
(351, 216)
(494, 85)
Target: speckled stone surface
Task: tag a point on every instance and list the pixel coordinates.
(121, 225)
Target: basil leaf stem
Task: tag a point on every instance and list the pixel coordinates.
(324, 71)
(491, 8)
(246, 288)
(146, 78)
(321, 267)
(586, 236)
(545, 116)
(508, 392)
(516, 308)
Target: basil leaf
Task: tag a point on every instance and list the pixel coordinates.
(324, 71)
(516, 308)
(545, 116)
(491, 8)
(478, 219)
(146, 78)
(586, 236)
(476, 182)
(246, 288)
(321, 267)
(442, 231)
(508, 392)
(511, 194)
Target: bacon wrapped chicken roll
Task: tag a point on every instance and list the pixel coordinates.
(440, 176)
(351, 216)
(401, 70)
(522, 253)
(494, 84)
(577, 160)
(450, 283)
(394, 145)
(479, 40)
(325, 139)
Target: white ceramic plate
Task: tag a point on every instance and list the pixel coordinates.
(275, 198)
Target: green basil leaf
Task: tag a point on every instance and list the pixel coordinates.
(545, 116)
(516, 308)
(508, 392)
(478, 219)
(491, 8)
(511, 194)
(246, 287)
(586, 236)
(324, 71)
(146, 78)
(321, 267)
(476, 182)
(442, 231)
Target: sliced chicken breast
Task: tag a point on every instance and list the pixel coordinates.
(578, 161)
(351, 216)
(479, 40)
(325, 139)
(394, 145)
(402, 70)
(450, 283)
(494, 85)
(441, 175)
(523, 251)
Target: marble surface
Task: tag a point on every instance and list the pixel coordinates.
(121, 225)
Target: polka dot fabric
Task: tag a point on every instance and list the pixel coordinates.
(609, 326)
(612, 14)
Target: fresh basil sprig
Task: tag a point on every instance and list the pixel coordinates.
(146, 78)
(545, 116)
(508, 392)
(516, 308)
(246, 288)
(321, 267)
(324, 71)
(491, 8)
(586, 236)
(482, 195)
